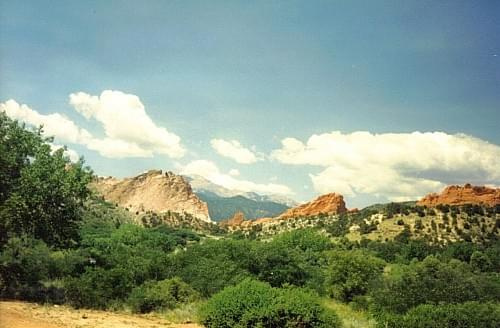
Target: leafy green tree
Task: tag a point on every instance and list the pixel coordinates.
(432, 281)
(350, 273)
(41, 193)
(210, 266)
(276, 264)
(480, 262)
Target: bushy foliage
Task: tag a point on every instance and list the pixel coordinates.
(159, 295)
(41, 192)
(210, 266)
(24, 263)
(350, 273)
(434, 282)
(307, 240)
(256, 304)
(98, 288)
(466, 315)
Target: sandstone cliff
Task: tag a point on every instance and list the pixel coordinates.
(153, 191)
(327, 204)
(237, 219)
(458, 195)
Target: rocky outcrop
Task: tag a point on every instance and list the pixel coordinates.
(329, 204)
(237, 220)
(458, 195)
(153, 191)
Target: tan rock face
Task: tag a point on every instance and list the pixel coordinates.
(328, 204)
(458, 195)
(153, 191)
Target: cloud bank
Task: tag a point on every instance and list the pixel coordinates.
(126, 124)
(211, 172)
(398, 166)
(234, 150)
(129, 131)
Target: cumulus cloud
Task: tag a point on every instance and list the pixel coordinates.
(395, 165)
(53, 124)
(129, 131)
(234, 150)
(211, 172)
(126, 124)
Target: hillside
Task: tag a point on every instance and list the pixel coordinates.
(221, 208)
(443, 224)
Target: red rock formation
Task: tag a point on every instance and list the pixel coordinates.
(458, 195)
(327, 204)
(237, 220)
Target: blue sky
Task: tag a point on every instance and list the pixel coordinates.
(255, 73)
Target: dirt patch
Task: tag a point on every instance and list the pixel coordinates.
(29, 315)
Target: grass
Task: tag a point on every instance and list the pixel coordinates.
(350, 318)
(185, 313)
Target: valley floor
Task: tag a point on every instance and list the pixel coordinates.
(15, 314)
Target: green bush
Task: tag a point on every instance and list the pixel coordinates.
(24, 263)
(98, 288)
(158, 295)
(256, 304)
(350, 273)
(433, 282)
(212, 265)
(466, 315)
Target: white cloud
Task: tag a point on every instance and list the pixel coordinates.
(394, 165)
(234, 150)
(124, 119)
(234, 172)
(129, 131)
(211, 172)
(53, 124)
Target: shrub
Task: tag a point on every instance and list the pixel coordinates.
(24, 262)
(480, 262)
(98, 288)
(256, 304)
(433, 282)
(164, 294)
(278, 264)
(213, 265)
(470, 315)
(350, 273)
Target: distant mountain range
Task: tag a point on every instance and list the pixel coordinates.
(223, 203)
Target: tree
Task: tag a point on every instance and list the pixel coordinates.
(41, 192)
(433, 282)
(350, 273)
(480, 262)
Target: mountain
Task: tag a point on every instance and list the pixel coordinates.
(458, 195)
(200, 184)
(329, 204)
(221, 208)
(153, 191)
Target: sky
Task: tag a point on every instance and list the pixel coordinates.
(377, 100)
